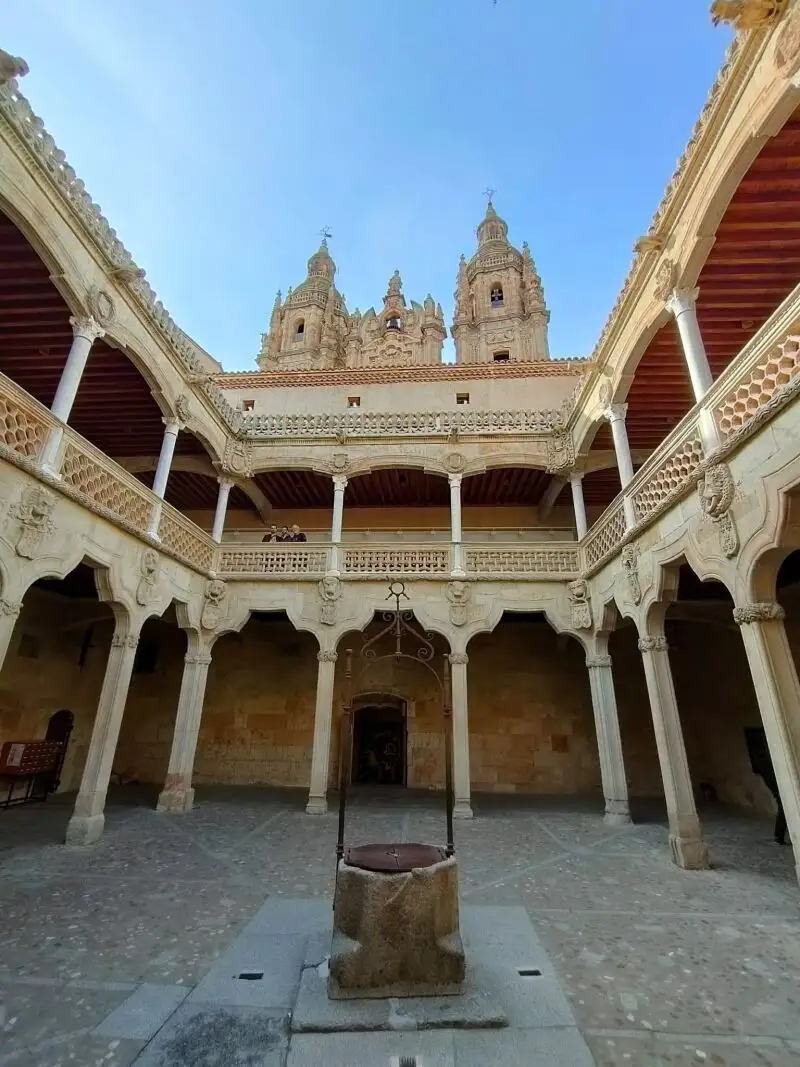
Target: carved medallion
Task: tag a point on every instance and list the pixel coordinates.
(330, 590)
(459, 594)
(455, 462)
(578, 593)
(666, 279)
(339, 462)
(182, 409)
(716, 490)
(560, 452)
(149, 568)
(101, 306)
(630, 565)
(33, 512)
(215, 593)
(238, 458)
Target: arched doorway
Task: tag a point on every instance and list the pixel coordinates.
(380, 740)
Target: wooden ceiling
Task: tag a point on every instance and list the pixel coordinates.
(753, 266)
(191, 491)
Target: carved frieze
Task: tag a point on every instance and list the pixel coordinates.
(213, 608)
(653, 644)
(630, 565)
(149, 568)
(764, 612)
(716, 490)
(578, 593)
(341, 426)
(32, 512)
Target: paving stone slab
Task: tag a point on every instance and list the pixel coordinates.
(203, 1035)
(548, 1047)
(291, 915)
(277, 958)
(371, 1050)
(144, 1012)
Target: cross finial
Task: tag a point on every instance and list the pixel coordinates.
(488, 192)
(325, 233)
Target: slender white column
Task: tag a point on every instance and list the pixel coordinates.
(578, 504)
(609, 742)
(172, 428)
(323, 720)
(225, 486)
(683, 305)
(461, 781)
(85, 331)
(685, 837)
(339, 486)
(778, 693)
(622, 449)
(177, 794)
(457, 570)
(9, 613)
(86, 824)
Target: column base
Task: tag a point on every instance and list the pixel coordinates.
(617, 813)
(690, 853)
(85, 829)
(176, 801)
(317, 806)
(462, 810)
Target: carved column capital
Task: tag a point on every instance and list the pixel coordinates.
(87, 327)
(764, 612)
(226, 482)
(327, 656)
(680, 300)
(598, 661)
(455, 480)
(340, 482)
(172, 424)
(9, 607)
(653, 644)
(615, 412)
(192, 658)
(458, 658)
(124, 640)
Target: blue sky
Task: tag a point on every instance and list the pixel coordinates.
(220, 137)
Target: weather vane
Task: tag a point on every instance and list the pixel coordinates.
(489, 193)
(325, 233)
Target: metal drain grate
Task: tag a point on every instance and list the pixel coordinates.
(529, 972)
(404, 1061)
(251, 976)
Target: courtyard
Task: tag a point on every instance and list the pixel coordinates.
(659, 965)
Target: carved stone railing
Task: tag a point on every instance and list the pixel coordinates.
(606, 535)
(24, 423)
(670, 476)
(279, 561)
(186, 540)
(111, 490)
(355, 424)
(518, 562)
(392, 561)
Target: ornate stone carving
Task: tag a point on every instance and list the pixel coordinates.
(327, 656)
(182, 408)
(746, 14)
(458, 658)
(787, 49)
(455, 462)
(9, 607)
(630, 565)
(598, 661)
(149, 568)
(192, 659)
(339, 463)
(11, 67)
(346, 425)
(101, 306)
(124, 640)
(764, 612)
(666, 279)
(605, 394)
(649, 242)
(560, 452)
(578, 592)
(215, 593)
(330, 590)
(459, 594)
(653, 644)
(238, 458)
(716, 490)
(33, 513)
(86, 326)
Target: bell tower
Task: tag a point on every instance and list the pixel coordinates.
(500, 311)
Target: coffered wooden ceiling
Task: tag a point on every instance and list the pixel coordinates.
(191, 491)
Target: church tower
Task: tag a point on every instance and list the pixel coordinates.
(500, 311)
(400, 334)
(308, 330)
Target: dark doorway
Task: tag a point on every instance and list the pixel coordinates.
(379, 745)
(59, 728)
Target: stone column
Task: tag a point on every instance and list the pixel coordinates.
(609, 742)
(85, 331)
(339, 486)
(9, 613)
(86, 824)
(177, 794)
(225, 486)
(323, 720)
(578, 504)
(685, 837)
(616, 417)
(682, 303)
(461, 781)
(457, 566)
(777, 689)
(172, 428)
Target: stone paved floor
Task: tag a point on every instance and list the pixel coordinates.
(662, 966)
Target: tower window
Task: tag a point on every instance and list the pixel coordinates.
(354, 401)
(496, 296)
(502, 356)
(301, 329)
(393, 323)
(462, 398)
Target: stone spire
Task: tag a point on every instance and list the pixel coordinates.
(493, 228)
